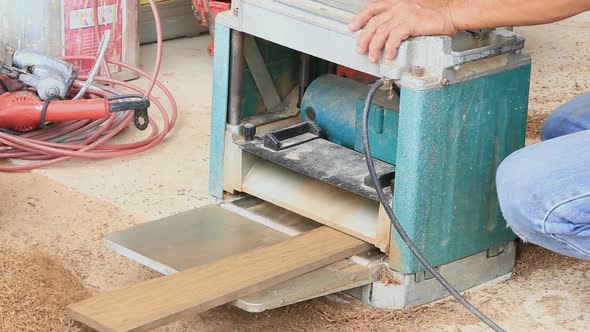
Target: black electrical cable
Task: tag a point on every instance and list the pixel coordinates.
(123, 106)
(396, 224)
(44, 109)
(4, 87)
(125, 96)
(140, 104)
(13, 132)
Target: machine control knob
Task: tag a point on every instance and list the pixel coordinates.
(248, 131)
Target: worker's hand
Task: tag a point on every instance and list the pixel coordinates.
(389, 22)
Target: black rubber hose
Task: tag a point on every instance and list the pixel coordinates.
(396, 224)
(51, 98)
(4, 87)
(122, 106)
(125, 96)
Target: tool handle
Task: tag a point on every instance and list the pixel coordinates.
(22, 111)
(68, 110)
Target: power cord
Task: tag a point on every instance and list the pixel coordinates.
(4, 87)
(396, 224)
(42, 123)
(140, 102)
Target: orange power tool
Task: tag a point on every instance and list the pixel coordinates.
(24, 111)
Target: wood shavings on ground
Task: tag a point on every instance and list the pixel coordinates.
(537, 269)
(531, 257)
(35, 289)
(384, 276)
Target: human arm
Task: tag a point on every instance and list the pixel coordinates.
(389, 22)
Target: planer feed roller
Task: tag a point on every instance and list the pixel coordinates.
(286, 154)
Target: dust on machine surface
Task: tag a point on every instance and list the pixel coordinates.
(287, 157)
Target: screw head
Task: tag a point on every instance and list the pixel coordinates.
(417, 71)
(52, 91)
(445, 81)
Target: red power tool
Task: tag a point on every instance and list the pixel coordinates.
(52, 79)
(24, 111)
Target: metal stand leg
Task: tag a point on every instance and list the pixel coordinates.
(237, 70)
(303, 76)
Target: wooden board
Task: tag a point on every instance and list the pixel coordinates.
(383, 237)
(160, 301)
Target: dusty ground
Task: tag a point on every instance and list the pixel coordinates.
(560, 67)
(52, 222)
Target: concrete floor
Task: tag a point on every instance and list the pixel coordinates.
(173, 177)
(66, 210)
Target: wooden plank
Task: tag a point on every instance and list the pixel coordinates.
(383, 237)
(160, 301)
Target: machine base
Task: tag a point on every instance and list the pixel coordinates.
(477, 270)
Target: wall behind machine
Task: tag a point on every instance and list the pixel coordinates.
(178, 20)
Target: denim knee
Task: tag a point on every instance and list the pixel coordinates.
(516, 193)
(544, 193)
(569, 118)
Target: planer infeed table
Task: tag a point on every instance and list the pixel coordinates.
(286, 154)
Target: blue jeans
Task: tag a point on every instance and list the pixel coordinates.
(544, 189)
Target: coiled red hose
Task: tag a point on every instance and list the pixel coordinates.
(89, 139)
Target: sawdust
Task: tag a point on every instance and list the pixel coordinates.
(561, 67)
(324, 314)
(537, 288)
(35, 288)
(384, 276)
(534, 125)
(531, 258)
(362, 318)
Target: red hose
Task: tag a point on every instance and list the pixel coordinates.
(89, 139)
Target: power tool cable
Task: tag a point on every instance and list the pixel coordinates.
(4, 87)
(42, 121)
(102, 50)
(397, 225)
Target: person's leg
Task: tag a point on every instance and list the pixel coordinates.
(544, 189)
(544, 193)
(569, 118)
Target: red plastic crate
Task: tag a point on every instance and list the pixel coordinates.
(215, 7)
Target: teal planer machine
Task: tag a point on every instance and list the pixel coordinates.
(286, 154)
